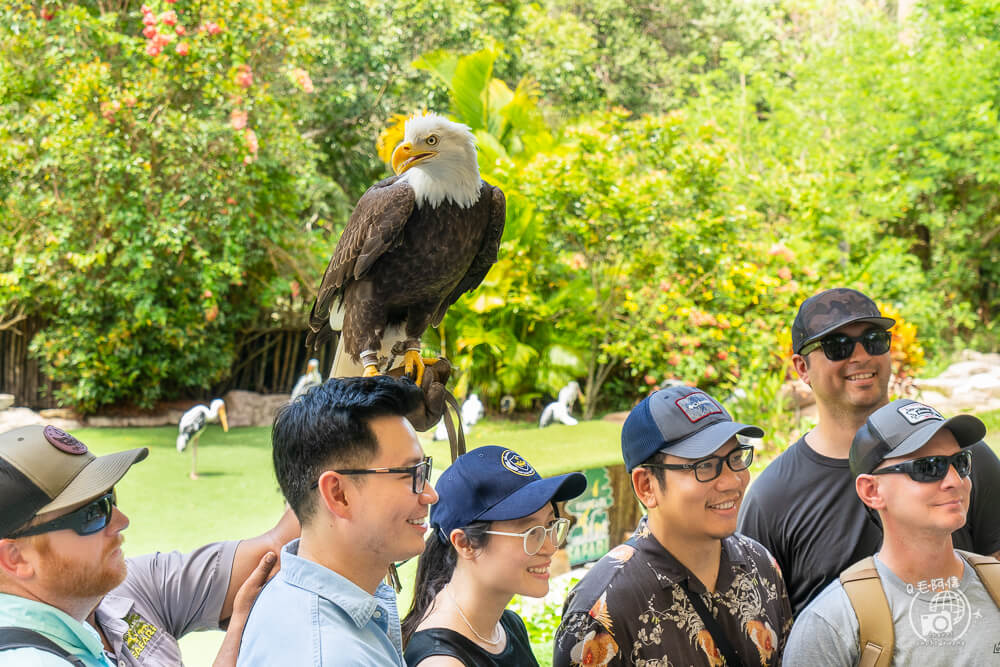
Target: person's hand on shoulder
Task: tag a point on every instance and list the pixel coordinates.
(243, 603)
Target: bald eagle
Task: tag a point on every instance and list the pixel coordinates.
(414, 244)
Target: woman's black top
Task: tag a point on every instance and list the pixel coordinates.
(441, 641)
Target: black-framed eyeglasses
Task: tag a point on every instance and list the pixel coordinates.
(932, 468)
(420, 473)
(839, 346)
(535, 536)
(89, 519)
(710, 467)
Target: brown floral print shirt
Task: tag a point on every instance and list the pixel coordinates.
(630, 609)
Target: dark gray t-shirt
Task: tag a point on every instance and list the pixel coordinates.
(804, 509)
(164, 597)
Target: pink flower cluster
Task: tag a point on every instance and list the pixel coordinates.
(251, 138)
(302, 80)
(244, 76)
(160, 36)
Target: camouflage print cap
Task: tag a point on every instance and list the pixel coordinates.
(828, 311)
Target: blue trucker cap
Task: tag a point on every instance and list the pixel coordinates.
(682, 421)
(494, 483)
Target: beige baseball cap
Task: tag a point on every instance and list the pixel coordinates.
(44, 468)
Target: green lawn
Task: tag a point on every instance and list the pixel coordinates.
(237, 495)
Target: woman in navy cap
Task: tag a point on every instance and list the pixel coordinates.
(495, 531)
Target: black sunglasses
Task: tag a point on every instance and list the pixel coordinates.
(421, 472)
(710, 467)
(838, 346)
(89, 519)
(932, 468)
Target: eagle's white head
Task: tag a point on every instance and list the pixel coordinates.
(438, 158)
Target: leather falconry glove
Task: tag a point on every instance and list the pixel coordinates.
(435, 379)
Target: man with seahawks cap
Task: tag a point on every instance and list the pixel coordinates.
(841, 343)
(911, 466)
(685, 588)
(60, 543)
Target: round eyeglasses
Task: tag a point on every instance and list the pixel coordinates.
(710, 467)
(534, 538)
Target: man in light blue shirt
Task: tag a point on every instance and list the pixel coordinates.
(351, 468)
(60, 545)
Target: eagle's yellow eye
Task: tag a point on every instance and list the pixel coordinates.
(432, 140)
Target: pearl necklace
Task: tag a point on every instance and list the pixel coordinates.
(497, 630)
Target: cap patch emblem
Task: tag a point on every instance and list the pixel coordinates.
(517, 465)
(63, 441)
(918, 412)
(697, 406)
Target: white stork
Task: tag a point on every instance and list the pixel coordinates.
(193, 422)
(311, 379)
(472, 412)
(559, 411)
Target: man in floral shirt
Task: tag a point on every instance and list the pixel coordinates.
(685, 589)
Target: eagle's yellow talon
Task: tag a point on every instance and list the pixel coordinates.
(370, 371)
(413, 366)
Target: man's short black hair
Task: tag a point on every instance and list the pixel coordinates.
(329, 427)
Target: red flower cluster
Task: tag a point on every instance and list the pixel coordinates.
(244, 76)
(157, 40)
(165, 28)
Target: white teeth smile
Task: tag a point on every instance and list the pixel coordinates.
(861, 376)
(728, 505)
(415, 522)
(539, 570)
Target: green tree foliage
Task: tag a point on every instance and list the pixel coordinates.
(678, 177)
(151, 178)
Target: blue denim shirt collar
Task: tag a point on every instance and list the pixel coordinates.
(356, 602)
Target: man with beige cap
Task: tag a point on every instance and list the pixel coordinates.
(61, 562)
(60, 543)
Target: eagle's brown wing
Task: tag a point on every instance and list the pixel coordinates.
(485, 258)
(375, 227)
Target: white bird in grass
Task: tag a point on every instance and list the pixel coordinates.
(193, 422)
(472, 412)
(311, 379)
(559, 411)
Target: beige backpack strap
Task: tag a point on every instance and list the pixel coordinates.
(988, 569)
(876, 637)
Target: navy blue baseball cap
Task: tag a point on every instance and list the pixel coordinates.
(494, 483)
(682, 421)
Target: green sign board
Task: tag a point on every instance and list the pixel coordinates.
(589, 538)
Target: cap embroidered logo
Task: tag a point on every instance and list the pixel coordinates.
(63, 441)
(517, 465)
(918, 412)
(697, 406)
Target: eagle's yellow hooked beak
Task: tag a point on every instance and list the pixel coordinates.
(403, 157)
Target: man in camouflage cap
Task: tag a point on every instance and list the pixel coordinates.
(803, 508)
